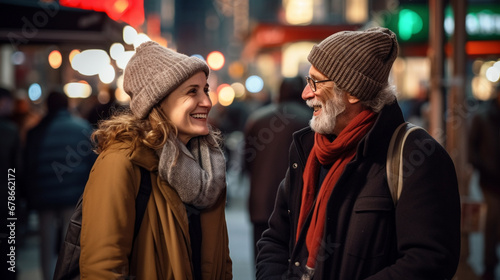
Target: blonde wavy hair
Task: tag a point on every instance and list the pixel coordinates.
(153, 131)
(123, 126)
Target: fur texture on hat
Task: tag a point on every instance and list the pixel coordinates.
(359, 62)
(154, 72)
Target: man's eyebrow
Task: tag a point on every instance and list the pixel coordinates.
(315, 77)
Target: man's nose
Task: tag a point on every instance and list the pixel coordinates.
(307, 93)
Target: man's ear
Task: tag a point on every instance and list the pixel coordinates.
(352, 99)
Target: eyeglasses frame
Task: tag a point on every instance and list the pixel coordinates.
(314, 82)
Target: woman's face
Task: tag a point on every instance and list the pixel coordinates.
(187, 107)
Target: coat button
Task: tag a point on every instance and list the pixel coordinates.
(295, 165)
(288, 211)
(297, 264)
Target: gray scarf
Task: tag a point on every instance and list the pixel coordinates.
(198, 174)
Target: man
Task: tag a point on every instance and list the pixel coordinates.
(334, 217)
(484, 155)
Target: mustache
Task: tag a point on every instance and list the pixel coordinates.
(312, 102)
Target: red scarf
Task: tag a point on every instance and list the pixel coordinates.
(339, 152)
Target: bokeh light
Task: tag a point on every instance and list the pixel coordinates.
(18, 58)
(107, 74)
(72, 55)
(299, 11)
(409, 23)
(357, 11)
(34, 92)
(121, 96)
(254, 84)
(220, 87)
(215, 60)
(481, 88)
(129, 34)
(239, 89)
(294, 55)
(90, 62)
(226, 96)
(80, 89)
(55, 59)
(493, 74)
(116, 50)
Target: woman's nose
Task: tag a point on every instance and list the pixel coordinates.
(205, 101)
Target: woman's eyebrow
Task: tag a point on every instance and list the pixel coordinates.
(191, 86)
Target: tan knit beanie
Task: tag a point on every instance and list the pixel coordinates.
(359, 62)
(153, 72)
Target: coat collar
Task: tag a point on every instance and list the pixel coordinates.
(140, 155)
(378, 138)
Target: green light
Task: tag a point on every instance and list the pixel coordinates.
(409, 23)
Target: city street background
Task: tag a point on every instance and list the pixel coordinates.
(448, 65)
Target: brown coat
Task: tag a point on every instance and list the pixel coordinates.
(162, 249)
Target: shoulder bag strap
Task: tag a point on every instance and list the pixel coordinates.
(394, 165)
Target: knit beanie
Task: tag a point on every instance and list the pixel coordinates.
(154, 72)
(359, 62)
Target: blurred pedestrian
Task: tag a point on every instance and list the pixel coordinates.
(334, 216)
(57, 157)
(268, 135)
(183, 234)
(484, 155)
(25, 115)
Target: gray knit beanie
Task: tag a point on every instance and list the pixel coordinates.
(359, 62)
(154, 72)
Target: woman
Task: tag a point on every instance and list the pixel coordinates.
(183, 233)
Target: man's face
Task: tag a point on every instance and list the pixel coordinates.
(327, 104)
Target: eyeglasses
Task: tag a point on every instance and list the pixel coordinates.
(312, 83)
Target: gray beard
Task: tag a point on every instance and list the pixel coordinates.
(326, 121)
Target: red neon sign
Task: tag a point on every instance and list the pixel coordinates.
(129, 11)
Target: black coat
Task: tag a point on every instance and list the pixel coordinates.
(366, 237)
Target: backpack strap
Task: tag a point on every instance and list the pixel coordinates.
(141, 203)
(394, 164)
